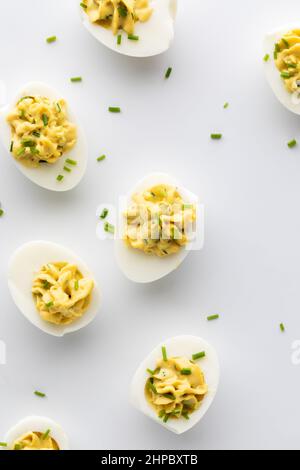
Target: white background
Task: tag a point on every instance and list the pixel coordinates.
(249, 269)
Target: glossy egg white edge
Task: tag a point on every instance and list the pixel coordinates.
(155, 35)
(25, 265)
(136, 265)
(288, 100)
(37, 424)
(45, 175)
(178, 346)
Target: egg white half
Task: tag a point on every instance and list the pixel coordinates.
(288, 100)
(155, 35)
(178, 346)
(25, 265)
(45, 175)
(37, 424)
(142, 268)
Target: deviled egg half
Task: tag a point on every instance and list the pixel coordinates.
(43, 138)
(53, 288)
(160, 224)
(137, 28)
(177, 383)
(282, 66)
(36, 433)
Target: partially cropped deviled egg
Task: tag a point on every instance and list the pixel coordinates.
(43, 138)
(160, 223)
(138, 28)
(282, 65)
(53, 288)
(177, 383)
(36, 433)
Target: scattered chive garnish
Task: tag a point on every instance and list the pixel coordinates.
(36, 134)
(46, 434)
(292, 143)
(226, 105)
(285, 75)
(3, 444)
(285, 42)
(20, 151)
(213, 317)
(122, 10)
(67, 169)
(100, 159)
(164, 353)
(71, 162)
(60, 178)
(51, 39)
(186, 372)
(1, 212)
(152, 387)
(18, 447)
(76, 285)
(168, 72)
(166, 418)
(198, 355)
(282, 327)
(216, 136)
(151, 372)
(119, 40)
(112, 109)
(109, 228)
(185, 415)
(76, 79)
(161, 414)
(40, 394)
(133, 37)
(49, 304)
(170, 396)
(104, 214)
(11, 146)
(58, 107)
(267, 57)
(83, 5)
(45, 119)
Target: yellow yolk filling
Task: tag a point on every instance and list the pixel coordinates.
(61, 293)
(35, 441)
(176, 389)
(40, 130)
(287, 59)
(158, 221)
(118, 14)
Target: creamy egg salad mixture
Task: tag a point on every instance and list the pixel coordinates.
(35, 441)
(40, 130)
(158, 221)
(118, 14)
(176, 387)
(61, 293)
(287, 59)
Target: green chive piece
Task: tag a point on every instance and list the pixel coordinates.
(168, 72)
(292, 66)
(133, 37)
(267, 57)
(51, 39)
(76, 285)
(166, 418)
(76, 79)
(216, 136)
(49, 304)
(18, 447)
(198, 355)
(226, 105)
(3, 444)
(151, 372)
(112, 109)
(46, 434)
(119, 40)
(213, 317)
(36, 134)
(40, 394)
(292, 143)
(282, 327)
(20, 151)
(71, 162)
(109, 228)
(83, 5)
(67, 169)
(46, 284)
(122, 10)
(285, 42)
(186, 372)
(161, 414)
(100, 159)
(185, 415)
(104, 214)
(1, 212)
(11, 146)
(152, 386)
(164, 353)
(285, 75)
(170, 396)
(58, 107)
(45, 119)
(60, 178)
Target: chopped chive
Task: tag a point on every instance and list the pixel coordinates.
(133, 37)
(11, 146)
(198, 355)
(60, 178)
(36, 134)
(18, 447)
(267, 57)
(67, 169)
(76, 285)
(152, 387)
(46, 434)
(213, 317)
(28, 143)
(185, 415)
(216, 136)
(100, 159)
(104, 214)
(122, 10)
(151, 372)
(282, 327)
(109, 228)
(186, 372)
(20, 151)
(161, 414)
(1, 212)
(112, 109)
(58, 107)
(285, 42)
(292, 66)
(51, 39)
(119, 40)
(285, 75)
(166, 418)
(46, 284)
(71, 162)
(45, 119)
(170, 396)
(40, 394)
(164, 353)
(3, 444)
(168, 72)
(292, 143)
(83, 5)
(76, 79)
(49, 304)
(226, 105)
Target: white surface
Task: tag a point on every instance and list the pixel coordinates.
(249, 268)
